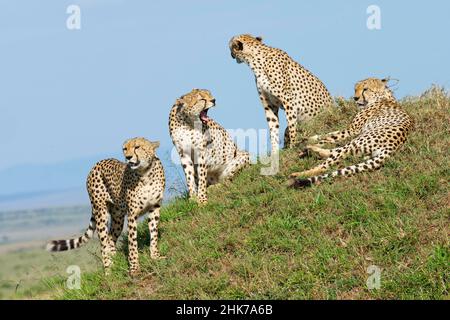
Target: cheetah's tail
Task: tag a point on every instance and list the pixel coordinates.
(69, 244)
(371, 164)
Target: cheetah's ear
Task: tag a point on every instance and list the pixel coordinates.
(386, 81)
(179, 102)
(260, 39)
(237, 45)
(155, 145)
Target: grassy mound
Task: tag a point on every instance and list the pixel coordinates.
(256, 239)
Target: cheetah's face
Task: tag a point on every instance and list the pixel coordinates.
(139, 153)
(196, 103)
(244, 47)
(371, 90)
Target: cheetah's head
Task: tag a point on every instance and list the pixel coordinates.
(371, 90)
(244, 47)
(139, 153)
(196, 103)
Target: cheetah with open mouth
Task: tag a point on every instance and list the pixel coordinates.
(208, 154)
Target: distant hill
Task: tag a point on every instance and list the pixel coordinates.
(42, 224)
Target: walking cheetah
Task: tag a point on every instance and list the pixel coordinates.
(208, 154)
(378, 130)
(117, 189)
(281, 83)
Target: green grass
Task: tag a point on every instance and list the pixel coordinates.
(256, 239)
(33, 273)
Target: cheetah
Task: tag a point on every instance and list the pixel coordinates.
(378, 130)
(281, 83)
(117, 189)
(208, 154)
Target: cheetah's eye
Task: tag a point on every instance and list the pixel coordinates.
(137, 147)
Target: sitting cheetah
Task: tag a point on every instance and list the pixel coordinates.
(208, 154)
(118, 189)
(281, 83)
(378, 130)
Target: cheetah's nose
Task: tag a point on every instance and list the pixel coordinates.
(128, 157)
(355, 98)
(213, 101)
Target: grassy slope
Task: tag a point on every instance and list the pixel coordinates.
(257, 239)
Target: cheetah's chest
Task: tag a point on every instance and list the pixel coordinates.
(187, 138)
(268, 89)
(263, 83)
(145, 196)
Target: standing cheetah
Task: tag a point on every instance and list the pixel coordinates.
(117, 189)
(208, 154)
(281, 83)
(378, 130)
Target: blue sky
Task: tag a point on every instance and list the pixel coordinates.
(75, 94)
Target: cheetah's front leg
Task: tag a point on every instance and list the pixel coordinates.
(153, 220)
(202, 177)
(323, 153)
(332, 137)
(133, 256)
(273, 122)
(292, 133)
(336, 155)
(316, 142)
(189, 172)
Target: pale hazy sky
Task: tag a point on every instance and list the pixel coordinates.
(70, 94)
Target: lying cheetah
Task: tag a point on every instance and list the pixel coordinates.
(208, 154)
(117, 189)
(378, 130)
(281, 83)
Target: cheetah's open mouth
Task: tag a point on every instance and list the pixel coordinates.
(204, 116)
(134, 165)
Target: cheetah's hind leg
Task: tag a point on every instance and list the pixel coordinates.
(375, 162)
(101, 219)
(117, 222)
(241, 160)
(212, 179)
